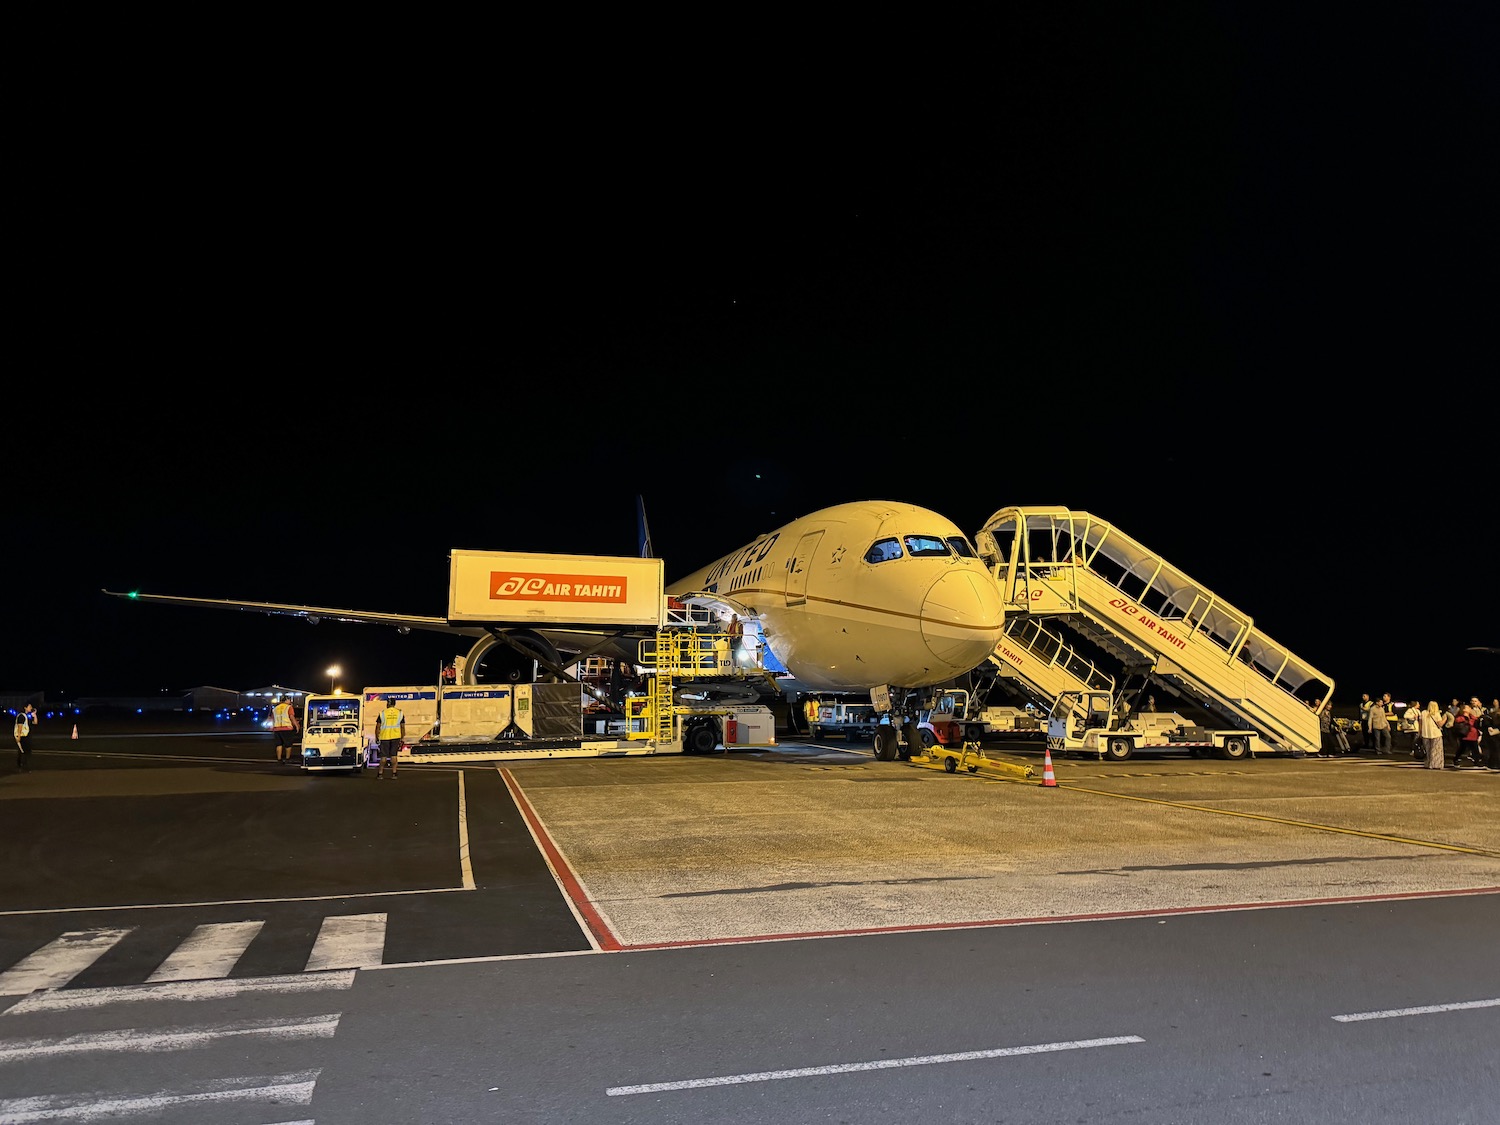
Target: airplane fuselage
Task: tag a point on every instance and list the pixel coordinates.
(862, 595)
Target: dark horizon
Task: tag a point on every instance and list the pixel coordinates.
(1221, 278)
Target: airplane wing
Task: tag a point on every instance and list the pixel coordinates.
(312, 614)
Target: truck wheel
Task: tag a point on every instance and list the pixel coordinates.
(1235, 749)
(886, 744)
(1118, 749)
(928, 738)
(950, 764)
(700, 739)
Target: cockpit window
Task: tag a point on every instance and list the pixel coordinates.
(883, 550)
(961, 547)
(926, 546)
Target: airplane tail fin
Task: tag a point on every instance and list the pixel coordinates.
(642, 530)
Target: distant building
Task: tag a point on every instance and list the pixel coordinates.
(149, 704)
(264, 698)
(204, 699)
(13, 701)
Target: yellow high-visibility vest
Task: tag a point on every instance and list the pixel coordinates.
(390, 724)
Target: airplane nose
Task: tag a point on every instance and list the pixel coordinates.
(962, 618)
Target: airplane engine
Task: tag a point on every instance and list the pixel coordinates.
(518, 656)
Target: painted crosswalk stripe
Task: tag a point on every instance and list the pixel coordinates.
(59, 961)
(171, 1039)
(74, 1000)
(348, 941)
(282, 1089)
(209, 951)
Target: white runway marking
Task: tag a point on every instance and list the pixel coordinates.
(348, 941)
(82, 998)
(464, 866)
(59, 961)
(283, 1089)
(209, 951)
(136, 1039)
(880, 1064)
(1427, 1010)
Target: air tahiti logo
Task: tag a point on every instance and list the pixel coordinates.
(516, 586)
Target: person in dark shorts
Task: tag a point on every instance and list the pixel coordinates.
(284, 726)
(390, 732)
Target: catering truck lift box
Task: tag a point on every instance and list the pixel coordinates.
(332, 738)
(613, 590)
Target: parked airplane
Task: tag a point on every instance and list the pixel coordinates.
(855, 597)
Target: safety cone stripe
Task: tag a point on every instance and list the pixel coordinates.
(1049, 780)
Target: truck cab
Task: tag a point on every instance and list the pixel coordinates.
(949, 722)
(848, 720)
(332, 733)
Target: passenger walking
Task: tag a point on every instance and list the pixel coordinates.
(1490, 724)
(1325, 729)
(284, 726)
(390, 732)
(1450, 740)
(1466, 725)
(1380, 726)
(25, 720)
(1409, 726)
(1365, 703)
(1430, 734)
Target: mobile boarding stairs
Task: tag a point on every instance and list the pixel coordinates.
(1061, 570)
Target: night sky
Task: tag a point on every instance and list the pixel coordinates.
(1225, 281)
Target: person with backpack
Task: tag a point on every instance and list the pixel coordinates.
(25, 720)
(1466, 727)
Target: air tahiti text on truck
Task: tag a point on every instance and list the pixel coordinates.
(510, 586)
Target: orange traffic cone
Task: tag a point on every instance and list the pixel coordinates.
(75, 730)
(1049, 779)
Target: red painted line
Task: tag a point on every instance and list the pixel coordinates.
(563, 870)
(1051, 918)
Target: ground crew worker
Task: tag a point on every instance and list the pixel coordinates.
(811, 710)
(390, 732)
(284, 724)
(736, 635)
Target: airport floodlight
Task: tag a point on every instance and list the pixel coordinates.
(333, 673)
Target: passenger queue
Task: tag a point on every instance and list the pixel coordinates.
(1451, 737)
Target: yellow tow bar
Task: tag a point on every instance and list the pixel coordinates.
(971, 758)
